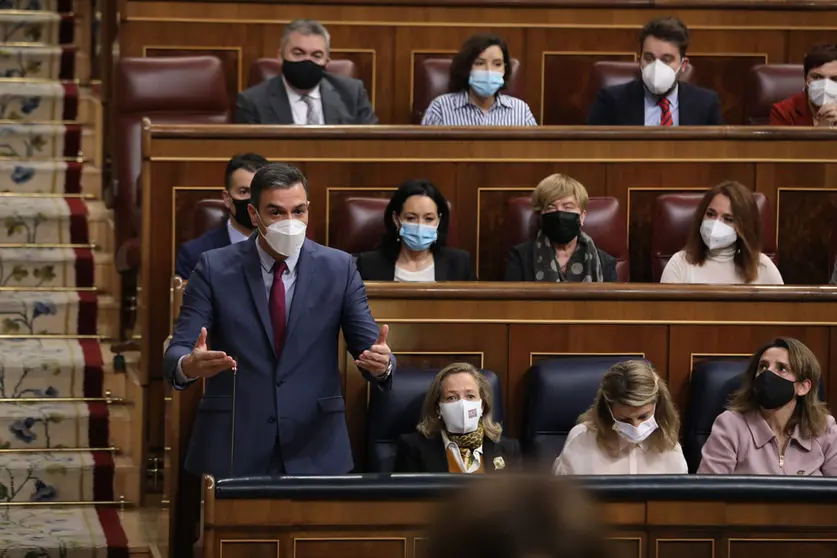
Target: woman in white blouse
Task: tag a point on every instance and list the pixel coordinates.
(724, 245)
(631, 429)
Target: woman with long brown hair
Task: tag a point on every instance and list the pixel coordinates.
(775, 423)
(724, 245)
(631, 429)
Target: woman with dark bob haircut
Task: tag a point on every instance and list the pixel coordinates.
(480, 70)
(413, 249)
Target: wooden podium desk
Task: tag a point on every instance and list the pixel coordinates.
(381, 516)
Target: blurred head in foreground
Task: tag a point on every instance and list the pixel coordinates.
(517, 517)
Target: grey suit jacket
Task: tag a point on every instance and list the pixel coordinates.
(344, 102)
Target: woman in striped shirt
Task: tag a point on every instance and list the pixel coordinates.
(478, 73)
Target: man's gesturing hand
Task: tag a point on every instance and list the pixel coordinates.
(376, 359)
(203, 363)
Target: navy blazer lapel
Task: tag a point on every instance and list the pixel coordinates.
(280, 103)
(255, 281)
(686, 106)
(635, 110)
(331, 102)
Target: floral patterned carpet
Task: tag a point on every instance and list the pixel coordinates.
(65, 432)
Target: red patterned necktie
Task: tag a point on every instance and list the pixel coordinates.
(277, 307)
(665, 112)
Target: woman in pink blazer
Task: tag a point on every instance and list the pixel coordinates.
(775, 424)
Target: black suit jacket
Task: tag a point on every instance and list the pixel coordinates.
(521, 264)
(344, 102)
(417, 454)
(624, 105)
(450, 264)
(190, 252)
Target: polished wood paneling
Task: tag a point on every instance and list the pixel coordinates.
(250, 549)
(806, 220)
(772, 547)
(556, 42)
(685, 548)
(327, 547)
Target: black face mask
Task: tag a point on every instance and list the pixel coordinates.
(303, 74)
(560, 227)
(242, 216)
(773, 391)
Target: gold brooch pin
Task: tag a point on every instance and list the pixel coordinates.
(499, 463)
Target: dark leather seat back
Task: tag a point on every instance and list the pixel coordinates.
(206, 215)
(711, 385)
(264, 69)
(558, 391)
(767, 84)
(608, 74)
(359, 225)
(673, 214)
(433, 79)
(170, 90)
(604, 223)
(398, 411)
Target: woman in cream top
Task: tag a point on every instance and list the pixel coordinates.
(631, 429)
(724, 245)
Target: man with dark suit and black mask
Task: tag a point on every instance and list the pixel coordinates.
(658, 97)
(236, 196)
(306, 93)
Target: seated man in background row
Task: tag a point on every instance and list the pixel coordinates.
(658, 98)
(817, 104)
(236, 196)
(305, 94)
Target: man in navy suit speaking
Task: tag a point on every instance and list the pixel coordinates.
(271, 308)
(236, 196)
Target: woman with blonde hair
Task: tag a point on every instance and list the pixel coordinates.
(724, 245)
(561, 251)
(631, 429)
(457, 432)
(775, 424)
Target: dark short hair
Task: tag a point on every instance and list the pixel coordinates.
(273, 176)
(820, 55)
(390, 244)
(248, 161)
(460, 68)
(668, 29)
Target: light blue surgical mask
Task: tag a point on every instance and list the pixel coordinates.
(418, 237)
(485, 83)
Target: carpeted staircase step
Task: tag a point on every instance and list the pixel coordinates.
(37, 62)
(50, 177)
(54, 221)
(38, 101)
(57, 268)
(66, 313)
(41, 141)
(58, 368)
(37, 27)
(64, 532)
(47, 425)
(66, 476)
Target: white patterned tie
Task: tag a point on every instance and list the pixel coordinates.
(311, 117)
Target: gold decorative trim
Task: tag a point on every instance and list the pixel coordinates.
(781, 189)
(413, 53)
(23, 401)
(495, 160)
(49, 335)
(247, 541)
(60, 450)
(346, 189)
(51, 289)
(120, 503)
(763, 55)
(594, 322)
(237, 49)
(30, 246)
(335, 539)
(658, 541)
(538, 353)
(546, 53)
(374, 84)
(45, 194)
(702, 355)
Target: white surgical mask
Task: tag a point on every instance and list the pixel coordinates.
(635, 434)
(716, 234)
(461, 417)
(659, 77)
(286, 236)
(822, 92)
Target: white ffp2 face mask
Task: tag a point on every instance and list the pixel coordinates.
(635, 434)
(716, 234)
(461, 417)
(822, 92)
(659, 77)
(286, 236)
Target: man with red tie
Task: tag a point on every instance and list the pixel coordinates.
(260, 322)
(658, 97)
